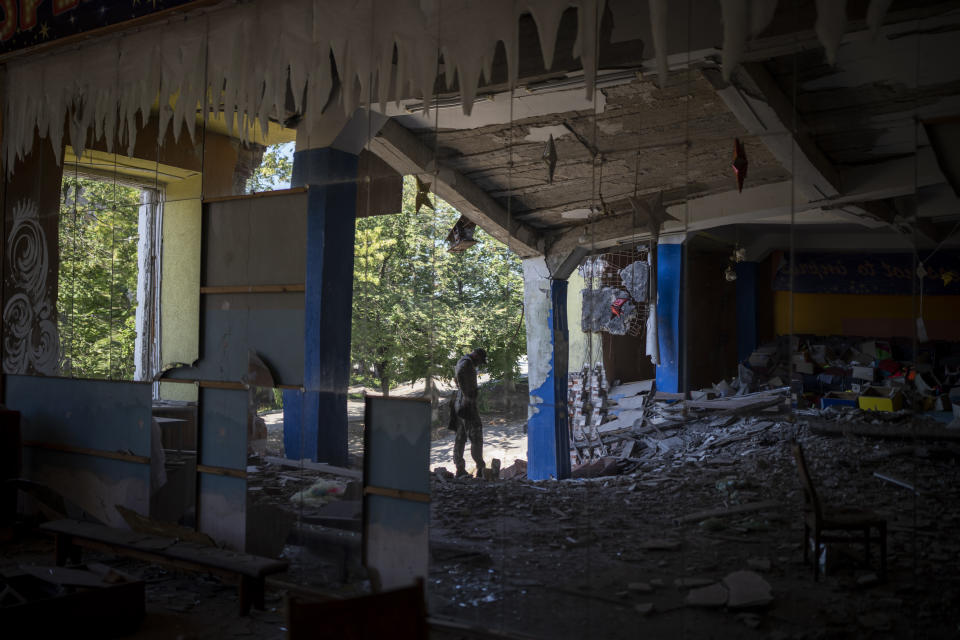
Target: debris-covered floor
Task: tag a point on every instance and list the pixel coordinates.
(617, 556)
(695, 534)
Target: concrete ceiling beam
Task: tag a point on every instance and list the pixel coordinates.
(761, 107)
(907, 224)
(403, 151)
(901, 177)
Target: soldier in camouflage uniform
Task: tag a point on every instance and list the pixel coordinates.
(464, 415)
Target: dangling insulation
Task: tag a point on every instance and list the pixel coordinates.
(239, 59)
(658, 20)
(831, 23)
(742, 19)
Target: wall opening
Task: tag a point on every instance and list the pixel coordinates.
(107, 301)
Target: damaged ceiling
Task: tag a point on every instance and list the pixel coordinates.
(827, 144)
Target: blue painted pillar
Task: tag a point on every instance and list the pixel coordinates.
(315, 426)
(746, 309)
(545, 304)
(669, 318)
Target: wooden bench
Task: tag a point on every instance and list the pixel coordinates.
(246, 571)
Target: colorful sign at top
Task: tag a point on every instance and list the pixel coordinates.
(28, 23)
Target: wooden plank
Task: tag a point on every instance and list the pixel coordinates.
(415, 496)
(355, 474)
(222, 471)
(260, 288)
(210, 384)
(253, 196)
(732, 511)
(160, 549)
(99, 453)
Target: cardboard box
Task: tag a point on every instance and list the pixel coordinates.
(864, 373)
(838, 399)
(880, 399)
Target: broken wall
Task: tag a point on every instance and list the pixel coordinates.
(88, 440)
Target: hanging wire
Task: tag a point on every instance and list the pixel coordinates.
(915, 338)
(501, 502)
(684, 314)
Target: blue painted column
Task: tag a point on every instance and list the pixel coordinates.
(545, 304)
(746, 309)
(315, 426)
(669, 318)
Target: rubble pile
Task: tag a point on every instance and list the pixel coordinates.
(872, 375)
(587, 409)
(688, 539)
(612, 430)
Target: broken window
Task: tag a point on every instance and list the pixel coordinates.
(107, 297)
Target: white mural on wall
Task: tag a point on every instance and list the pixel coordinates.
(31, 339)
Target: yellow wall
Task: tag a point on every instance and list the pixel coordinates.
(180, 281)
(870, 315)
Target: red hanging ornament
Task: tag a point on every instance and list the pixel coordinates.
(739, 163)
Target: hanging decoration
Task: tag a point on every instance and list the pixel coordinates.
(423, 195)
(244, 59)
(739, 255)
(740, 163)
(460, 237)
(549, 158)
(745, 19)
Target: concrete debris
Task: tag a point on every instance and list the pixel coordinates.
(640, 587)
(517, 470)
(714, 596)
(692, 583)
(747, 589)
(729, 463)
(736, 510)
(597, 468)
(644, 608)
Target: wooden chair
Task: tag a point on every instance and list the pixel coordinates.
(399, 614)
(826, 523)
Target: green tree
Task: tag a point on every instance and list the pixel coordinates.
(418, 308)
(275, 169)
(97, 291)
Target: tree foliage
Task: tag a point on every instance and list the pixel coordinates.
(275, 170)
(417, 308)
(97, 289)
